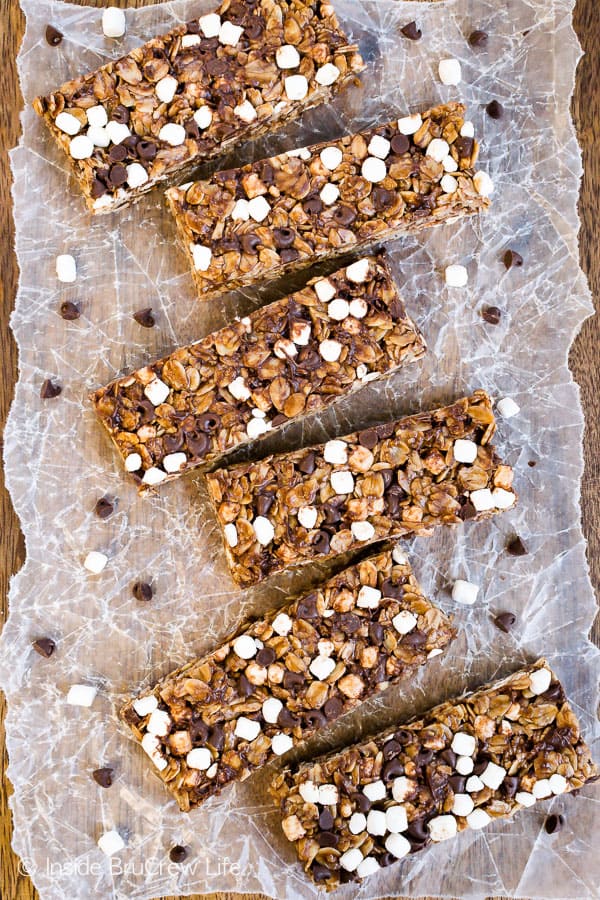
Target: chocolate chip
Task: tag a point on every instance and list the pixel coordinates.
(266, 656)
(145, 318)
(326, 821)
(44, 646)
(145, 410)
(414, 638)
(286, 719)
(344, 215)
(117, 174)
(320, 872)
(307, 607)
(120, 114)
(98, 189)
(328, 839)
(350, 623)
(333, 708)
(467, 510)
(198, 730)
(289, 255)
(417, 831)
(192, 129)
(363, 804)
(411, 32)
(424, 757)
(512, 259)
(495, 110)
(449, 757)
(376, 632)
(387, 859)
(478, 38)
(321, 542)
(333, 513)
(197, 444)
(313, 206)
(103, 508)
(117, 153)
(554, 823)
(146, 150)
(464, 147)
(253, 29)
(130, 143)
(309, 360)
(492, 314)
(103, 777)
(368, 438)
(264, 502)
(510, 786)
(53, 36)
(142, 591)
(284, 237)
(250, 242)
(516, 547)
(532, 463)
(177, 854)
(400, 145)
(393, 500)
(391, 749)
(314, 719)
(216, 737)
(458, 783)
(292, 681)
(307, 464)
(49, 390)
(245, 688)
(209, 422)
(505, 621)
(69, 311)
(392, 769)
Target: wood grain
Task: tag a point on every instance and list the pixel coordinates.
(584, 358)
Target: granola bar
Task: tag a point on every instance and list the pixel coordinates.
(287, 675)
(190, 95)
(288, 212)
(396, 479)
(260, 372)
(462, 765)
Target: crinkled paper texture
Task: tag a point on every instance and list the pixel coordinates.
(59, 463)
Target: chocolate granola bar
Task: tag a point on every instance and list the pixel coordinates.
(190, 95)
(287, 675)
(464, 764)
(285, 213)
(284, 361)
(396, 479)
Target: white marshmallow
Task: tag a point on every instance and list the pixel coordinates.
(256, 427)
(111, 842)
(325, 647)
(202, 257)
(362, 531)
(478, 819)
(327, 74)
(482, 499)
(117, 131)
(133, 462)
(357, 823)
(375, 791)
(287, 57)
(114, 24)
(358, 272)
(231, 535)
(328, 794)
(302, 152)
(246, 112)
(329, 194)
(367, 867)
(241, 211)
(368, 597)
(99, 136)
(410, 124)
(285, 349)
(465, 451)
(307, 516)
(190, 40)
(157, 391)
(463, 805)
(339, 309)
(300, 333)
(136, 175)
(404, 622)
(435, 652)
(259, 208)
(450, 164)
(503, 499)
(324, 290)
(450, 71)
(66, 268)
(507, 408)
(81, 147)
(474, 784)
(558, 783)
(239, 389)
(399, 556)
(376, 822)
(330, 350)
(336, 452)
(359, 308)
(464, 592)
(172, 134)
(174, 462)
(464, 765)
(331, 157)
(245, 646)
(145, 705)
(463, 744)
(95, 562)
(541, 789)
(449, 184)
(282, 624)
(159, 723)
(229, 34)
(525, 798)
(379, 147)
(210, 25)
(67, 123)
(402, 788)
(342, 482)
(397, 845)
(199, 758)
(493, 776)
(442, 827)
(456, 276)
(296, 87)
(264, 530)
(395, 819)
(281, 743)
(483, 184)
(166, 88)
(154, 476)
(271, 709)
(539, 681)
(152, 746)
(438, 149)
(81, 695)
(467, 130)
(247, 729)
(203, 117)
(322, 667)
(374, 169)
(309, 792)
(351, 859)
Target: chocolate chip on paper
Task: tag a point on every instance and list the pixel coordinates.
(177, 854)
(142, 591)
(492, 315)
(505, 621)
(44, 646)
(69, 311)
(145, 318)
(412, 31)
(478, 38)
(104, 508)
(512, 259)
(494, 109)
(53, 36)
(50, 390)
(517, 547)
(103, 777)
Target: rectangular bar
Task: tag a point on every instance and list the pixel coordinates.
(282, 214)
(253, 376)
(286, 676)
(392, 480)
(192, 94)
(518, 741)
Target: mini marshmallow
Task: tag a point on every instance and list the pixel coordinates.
(67, 123)
(81, 695)
(159, 723)
(210, 25)
(99, 136)
(256, 427)
(203, 117)
(402, 788)
(241, 211)
(239, 389)
(231, 535)
(404, 622)
(300, 333)
(229, 34)
(363, 373)
(281, 743)
(202, 257)
(464, 592)
(172, 134)
(152, 746)
(301, 152)
(245, 646)
(336, 452)
(456, 276)
(465, 451)
(285, 349)
(136, 175)
(190, 40)
(450, 164)
(474, 784)
(395, 819)
(66, 268)
(358, 272)
(282, 624)
(435, 652)
(145, 705)
(362, 531)
(324, 290)
(410, 124)
(81, 147)
(397, 845)
(271, 709)
(399, 556)
(309, 792)
(478, 819)
(357, 823)
(539, 681)
(507, 408)
(467, 130)
(327, 74)
(329, 194)
(463, 744)
(246, 112)
(174, 462)
(330, 350)
(375, 791)
(199, 758)
(449, 184)
(247, 729)
(464, 765)
(154, 476)
(482, 499)
(296, 87)
(331, 157)
(322, 667)
(117, 131)
(493, 776)
(339, 309)
(376, 822)
(463, 805)
(342, 482)
(438, 149)
(542, 789)
(450, 71)
(156, 391)
(503, 499)
(287, 57)
(483, 184)
(558, 783)
(133, 462)
(525, 798)
(166, 88)
(368, 597)
(111, 842)
(442, 827)
(307, 516)
(374, 169)
(328, 794)
(359, 308)
(259, 208)
(95, 562)
(379, 147)
(114, 24)
(351, 859)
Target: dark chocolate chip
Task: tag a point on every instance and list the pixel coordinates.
(53, 36)
(44, 646)
(145, 318)
(192, 129)
(512, 259)
(363, 804)
(392, 769)
(120, 114)
(481, 764)
(344, 215)
(417, 831)
(376, 632)
(250, 242)
(289, 255)
(117, 174)
(142, 591)
(116, 154)
(516, 547)
(505, 621)
(403, 735)
(368, 438)
(391, 749)
(424, 757)
(307, 463)
(284, 237)
(314, 718)
(307, 607)
(532, 463)
(328, 839)
(146, 150)
(492, 315)
(333, 513)
(173, 442)
(494, 109)
(245, 688)
(320, 872)
(216, 737)
(382, 198)
(177, 854)
(266, 656)
(98, 189)
(197, 443)
(264, 502)
(414, 638)
(389, 588)
(321, 542)
(286, 719)
(411, 32)
(146, 411)
(464, 146)
(449, 757)
(400, 145)
(208, 422)
(554, 823)
(458, 783)
(103, 777)
(554, 692)
(309, 360)
(349, 623)
(326, 821)
(198, 731)
(69, 311)
(393, 499)
(313, 206)
(49, 390)
(478, 38)
(130, 143)
(253, 29)
(387, 859)
(467, 510)
(510, 786)
(104, 508)
(292, 681)
(333, 708)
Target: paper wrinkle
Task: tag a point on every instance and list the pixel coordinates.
(59, 463)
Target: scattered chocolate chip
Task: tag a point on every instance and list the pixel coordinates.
(492, 314)
(314, 718)
(292, 681)
(178, 854)
(245, 688)
(554, 823)
(313, 206)
(411, 32)
(510, 786)
(209, 422)
(392, 769)
(326, 820)
(49, 390)
(103, 508)
(417, 831)
(532, 463)
(467, 511)
(328, 839)
(320, 872)
(512, 259)
(98, 188)
(284, 237)
(250, 242)
(53, 36)
(120, 114)
(103, 777)
(264, 502)
(117, 153)
(400, 145)
(216, 737)
(286, 719)
(145, 318)
(458, 783)
(391, 749)
(146, 150)
(376, 632)
(198, 730)
(363, 804)
(382, 198)
(449, 757)
(197, 444)
(333, 708)
(266, 656)
(117, 174)
(505, 621)
(307, 464)
(344, 215)
(368, 438)
(69, 311)
(478, 38)
(289, 255)
(495, 110)
(464, 147)
(192, 130)
(321, 542)
(516, 547)
(44, 646)
(142, 591)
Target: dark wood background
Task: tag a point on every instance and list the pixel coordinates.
(584, 360)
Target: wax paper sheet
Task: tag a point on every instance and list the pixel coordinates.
(59, 463)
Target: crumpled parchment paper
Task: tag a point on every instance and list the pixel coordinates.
(59, 463)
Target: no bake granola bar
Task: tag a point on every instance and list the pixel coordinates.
(285, 213)
(190, 95)
(462, 765)
(397, 479)
(284, 361)
(287, 675)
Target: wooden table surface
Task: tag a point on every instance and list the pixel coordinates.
(584, 359)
